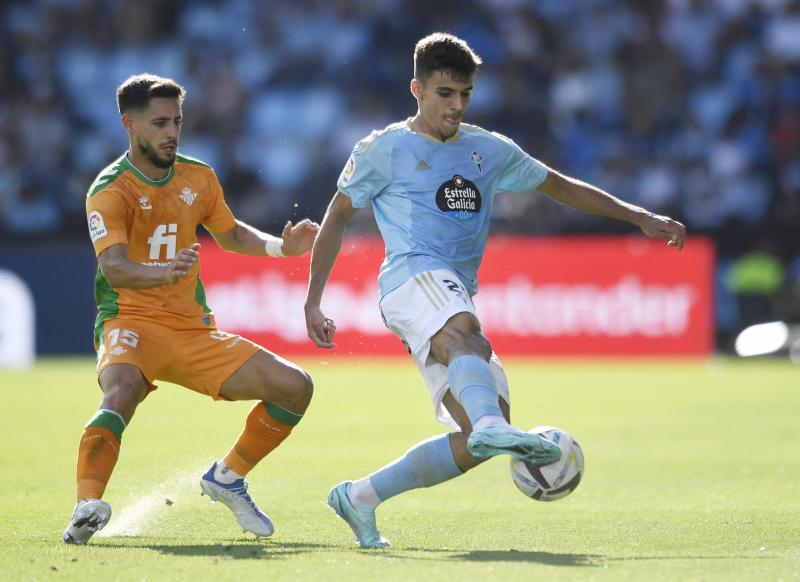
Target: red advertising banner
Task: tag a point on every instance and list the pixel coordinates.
(560, 295)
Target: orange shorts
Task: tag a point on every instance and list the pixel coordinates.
(198, 357)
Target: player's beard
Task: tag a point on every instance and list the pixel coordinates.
(152, 155)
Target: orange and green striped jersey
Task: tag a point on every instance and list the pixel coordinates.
(155, 220)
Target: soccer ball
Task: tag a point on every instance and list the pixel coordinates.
(554, 481)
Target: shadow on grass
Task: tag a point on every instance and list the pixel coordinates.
(270, 549)
(237, 549)
(545, 558)
(264, 550)
(229, 550)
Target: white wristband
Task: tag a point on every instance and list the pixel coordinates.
(274, 247)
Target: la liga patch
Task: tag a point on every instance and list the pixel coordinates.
(97, 228)
(347, 173)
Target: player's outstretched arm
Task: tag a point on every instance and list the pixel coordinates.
(122, 273)
(296, 239)
(588, 198)
(321, 329)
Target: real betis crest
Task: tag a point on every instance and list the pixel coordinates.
(188, 196)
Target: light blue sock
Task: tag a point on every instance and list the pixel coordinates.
(428, 463)
(473, 385)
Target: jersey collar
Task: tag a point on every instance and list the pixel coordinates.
(138, 173)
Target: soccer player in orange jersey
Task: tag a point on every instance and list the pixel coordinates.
(153, 322)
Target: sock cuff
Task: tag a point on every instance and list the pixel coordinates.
(469, 370)
(282, 415)
(237, 463)
(110, 420)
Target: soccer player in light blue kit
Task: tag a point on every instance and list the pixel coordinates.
(431, 181)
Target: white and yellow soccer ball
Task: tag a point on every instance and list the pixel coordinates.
(556, 480)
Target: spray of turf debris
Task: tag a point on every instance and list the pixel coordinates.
(130, 519)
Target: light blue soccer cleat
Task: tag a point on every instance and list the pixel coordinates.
(236, 498)
(361, 521)
(90, 516)
(499, 440)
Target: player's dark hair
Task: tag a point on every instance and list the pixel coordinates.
(442, 51)
(135, 93)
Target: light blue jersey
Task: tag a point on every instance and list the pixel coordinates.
(433, 200)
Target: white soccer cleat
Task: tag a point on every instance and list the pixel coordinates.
(235, 497)
(90, 516)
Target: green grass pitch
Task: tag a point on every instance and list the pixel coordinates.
(692, 473)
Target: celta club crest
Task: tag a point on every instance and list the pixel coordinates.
(477, 159)
(188, 196)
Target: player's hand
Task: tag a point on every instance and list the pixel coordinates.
(183, 263)
(298, 238)
(320, 329)
(664, 228)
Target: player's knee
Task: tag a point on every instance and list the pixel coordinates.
(123, 396)
(459, 344)
(127, 389)
(298, 390)
(448, 342)
(459, 338)
(305, 387)
(482, 346)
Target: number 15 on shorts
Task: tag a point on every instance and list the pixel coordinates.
(116, 337)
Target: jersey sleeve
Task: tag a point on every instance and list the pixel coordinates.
(367, 172)
(520, 172)
(219, 217)
(107, 214)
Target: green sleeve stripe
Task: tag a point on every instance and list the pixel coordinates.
(110, 420)
(190, 160)
(107, 177)
(282, 415)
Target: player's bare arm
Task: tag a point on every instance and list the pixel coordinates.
(340, 211)
(588, 198)
(295, 239)
(123, 273)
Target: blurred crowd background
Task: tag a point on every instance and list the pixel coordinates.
(688, 107)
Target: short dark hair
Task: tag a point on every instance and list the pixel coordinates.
(136, 91)
(442, 51)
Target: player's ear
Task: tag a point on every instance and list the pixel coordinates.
(416, 89)
(128, 122)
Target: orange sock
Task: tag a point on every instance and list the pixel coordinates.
(266, 427)
(98, 452)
